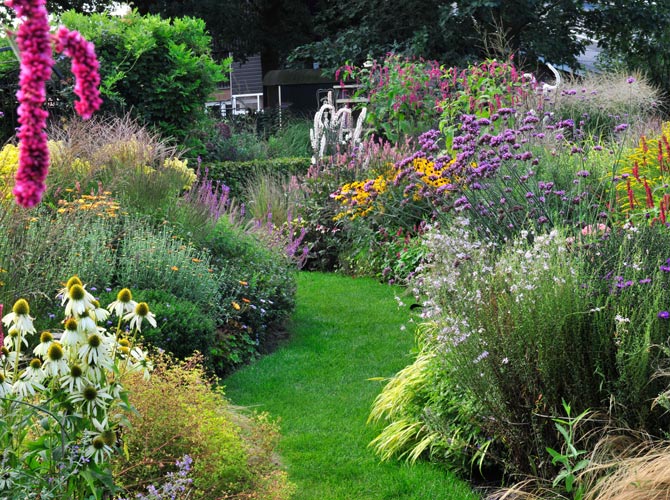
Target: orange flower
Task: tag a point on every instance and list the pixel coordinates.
(243, 283)
(245, 300)
(174, 268)
(195, 260)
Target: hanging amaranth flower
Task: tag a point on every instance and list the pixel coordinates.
(34, 43)
(85, 68)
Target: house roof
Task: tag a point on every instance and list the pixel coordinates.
(295, 77)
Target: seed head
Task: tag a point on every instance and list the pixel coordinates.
(71, 324)
(55, 352)
(21, 307)
(94, 340)
(77, 292)
(90, 393)
(46, 336)
(35, 363)
(124, 296)
(73, 281)
(98, 442)
(142, 309)
(76, 371)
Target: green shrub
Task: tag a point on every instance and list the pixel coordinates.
(236, 174)
(232, 453)
(157, 259)
(182, 326)
(161, 70)
(257, 294)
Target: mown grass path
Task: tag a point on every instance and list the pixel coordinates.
(344, 332)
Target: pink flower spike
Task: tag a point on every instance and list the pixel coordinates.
(34, 43)
(85, 68)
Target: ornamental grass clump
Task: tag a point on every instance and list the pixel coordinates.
(61, 393)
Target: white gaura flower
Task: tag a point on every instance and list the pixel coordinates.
(20, 318)
(140, 313)
(55, 364)
(92, 398)
(78, 301)
(46, 339)
(123, 304)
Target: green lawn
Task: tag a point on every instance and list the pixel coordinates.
(344, 332)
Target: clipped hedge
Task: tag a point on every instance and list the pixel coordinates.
(234, 174)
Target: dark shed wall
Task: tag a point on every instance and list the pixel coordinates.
(247, 77)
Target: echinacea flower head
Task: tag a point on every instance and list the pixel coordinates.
(62, 293)
(34, 370)
(140, 313)
(20, 318)
(123, 304)
(141, 362)
(73, 336)
(98, 450)
(99, 314)
(96, 351)
(74, 381)
(46, 339)
(91, 398)
(26, 387)
(5, 386)
(55, 364)
(78, 301)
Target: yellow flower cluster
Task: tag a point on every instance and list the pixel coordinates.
(101, 205)
(181, 167)
(361, 197)
(9, 162)
(642, 177)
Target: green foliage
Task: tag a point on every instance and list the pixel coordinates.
(235, 174)
(156, 259)
(159, 70)
(569, 457)
(231, 452)
(61, 402)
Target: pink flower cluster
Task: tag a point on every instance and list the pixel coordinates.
(34, 42)
(85, 68)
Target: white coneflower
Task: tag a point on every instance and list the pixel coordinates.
(141, 362)
(99, 314)
(74, 381)
(46, 339)
(55, 364)
(140, 313)
(98, 450)
(78, 301)
(5, 386)
(86, 323)
(25, 387)
(14, 338)
(72, 336)
(20, 317)
(123, 304)
(34, 370)
(91, 398)
(96, 351)
(62, 293)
